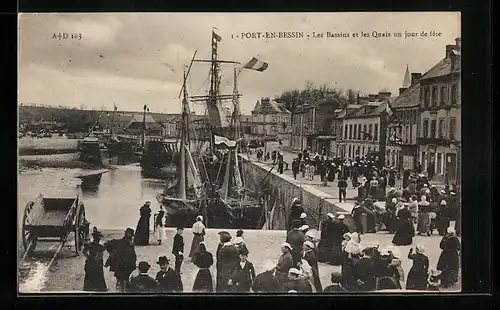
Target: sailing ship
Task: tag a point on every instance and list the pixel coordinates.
(213, 185)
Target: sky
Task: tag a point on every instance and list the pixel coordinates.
(132, 59)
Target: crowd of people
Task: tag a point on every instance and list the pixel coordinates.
(363, 268)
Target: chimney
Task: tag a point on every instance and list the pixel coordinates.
(449, 48)
(415, 77)
(384, 95)
(458, 43)
(402, 90)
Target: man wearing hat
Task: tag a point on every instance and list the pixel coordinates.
(122, 258)
(310, 257)
(285, 262)
(296, 283)
(178, 249)
(227, 260)
(303, 219)
(296, 239)
(296, 211)
(168, 279)
(94, 273)
(142, 283)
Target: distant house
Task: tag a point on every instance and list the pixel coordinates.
(270, 119)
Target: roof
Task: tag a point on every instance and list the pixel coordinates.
(141, 118)
(268, 106)
(443, 67)
(368, 110)
(409, 98)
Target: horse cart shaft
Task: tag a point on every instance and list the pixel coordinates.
(54, 220)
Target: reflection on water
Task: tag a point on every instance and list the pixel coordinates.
(111, 201)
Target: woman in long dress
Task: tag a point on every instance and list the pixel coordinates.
(94, 272)
(448, 262)
(404, 233)
(198, 235)
(142, 231)
(160, 225)
(203, 260)
(417, 277)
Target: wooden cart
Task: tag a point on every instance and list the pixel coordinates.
(53, 220)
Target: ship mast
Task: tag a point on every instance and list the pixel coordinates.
(184, 122)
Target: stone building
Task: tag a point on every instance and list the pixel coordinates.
(439, 136)
(402, 148)
(270, 120)
(361, 125)
(313, 124)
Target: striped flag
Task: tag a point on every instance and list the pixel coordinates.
(256, 64)
(217, 37)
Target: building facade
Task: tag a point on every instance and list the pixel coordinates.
(439, 136)
(402, 148)
(270, 120)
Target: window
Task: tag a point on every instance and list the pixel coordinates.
(439, 159)
(345, 132)
(442, 96)
(363, 154)
(407, 134)
(357, 152)
(370, 127)
(453, 128)
(340, 132)
(427, 98)
(375, 134)
(441, 128)
(423, 159)
(359, 132)
(425, 128)
(454, 94)
(369, 149)
(434, 96)
(350, 151)
(350, 131)
(414, 116)
(422, 91)
(433, 128)
(364, 132)
(354, 135)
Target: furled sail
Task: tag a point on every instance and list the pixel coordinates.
(237, 175)
(194, 174)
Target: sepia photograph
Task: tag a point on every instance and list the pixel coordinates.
(242, 153)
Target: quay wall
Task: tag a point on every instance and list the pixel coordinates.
(48, 146)
(282, 189)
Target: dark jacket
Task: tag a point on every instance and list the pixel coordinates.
(311, 259)
(178, 244)
(142, 284)
(243, 278)
(203, 259)
(169, 281)
(296, 239)
(266, 282)
(122, 257)
(300, 285)
(335, 289)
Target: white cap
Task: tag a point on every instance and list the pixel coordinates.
(199, 218)
(311, 234)
(425, 185)
(148, 201)
(309, 244)
(287, 245)
(384, 252)
(452, 193)
(292, 291)
(443, 191)
(450, 230)
(330, 215)
(420, 248)
(443, 202)
(341, 217)
(294, 271)
(304, 227)
(238, 240)
(303, 216)
(394, 200)
(295, 199)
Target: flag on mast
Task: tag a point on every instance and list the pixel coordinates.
(388, 109)
(256, 64)
(215, 35)
(115, 108)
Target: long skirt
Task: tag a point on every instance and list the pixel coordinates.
(197, 238)
(448, 263)
(388, 283)
(160, 233)
(324, 250)
(404, 234)
(142, 231)
(417, 280)
(424, 222)
(94, 280)
(203, 281)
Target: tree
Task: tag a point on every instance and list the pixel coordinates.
(352, 96)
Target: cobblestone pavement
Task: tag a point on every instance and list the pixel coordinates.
(67, 273)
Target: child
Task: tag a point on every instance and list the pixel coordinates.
(243, 275)
(178, 249)
(433, 281)
(347, 238)
(417, 277)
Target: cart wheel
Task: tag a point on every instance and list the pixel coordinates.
(79, 228)
(28, 239)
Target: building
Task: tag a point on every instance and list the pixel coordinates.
(246, 124)
(270, 120)
(361, 125)
(170, 122)
(402, 148)
(439, 136)
(138, 122)
(313, 124)
(337, 129)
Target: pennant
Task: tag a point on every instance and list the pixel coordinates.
(115, 108)
(388, 109)
(256, 64)
(217, 37)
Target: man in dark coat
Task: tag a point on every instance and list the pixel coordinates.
(227, 260)
(336, 286)
(295, 283)
(285, 262)
(178, 249)
(296, 211)
(295, 167)
(266, 282)
(365, 272)
(296, 239)
(342, 184)
(122, 258)
(243, 274)
(312, 260)
(168, 279)
(143, 283)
